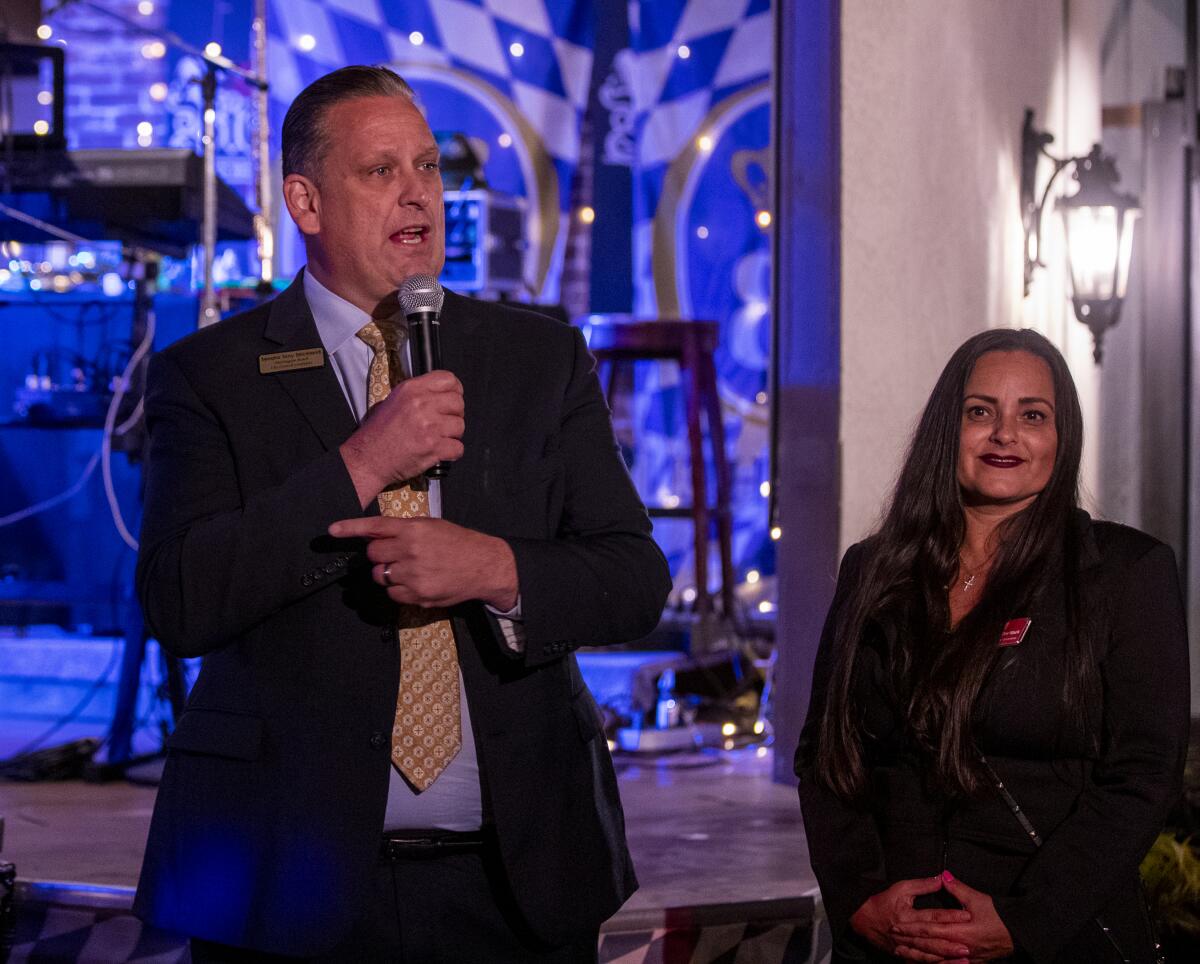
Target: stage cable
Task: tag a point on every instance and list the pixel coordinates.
(104, 455)
(111, 430)
(22, 514)
(71, 715)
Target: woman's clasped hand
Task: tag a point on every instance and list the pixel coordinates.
(974, 933)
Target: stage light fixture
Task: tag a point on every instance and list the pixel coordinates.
(517, 49)
(462, 161)
(1098, 222)
(702, 232)
(753, 576)
(416, 38)
(684, 51)
(306, 42)
(45, 31)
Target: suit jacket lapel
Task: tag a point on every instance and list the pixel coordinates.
(465, 352)
(315, 391)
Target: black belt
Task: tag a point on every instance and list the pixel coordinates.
(423, 844)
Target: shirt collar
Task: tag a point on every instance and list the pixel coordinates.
(338, 321)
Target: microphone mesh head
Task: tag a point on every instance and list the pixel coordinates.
(421, 292)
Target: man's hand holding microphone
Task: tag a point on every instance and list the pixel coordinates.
(417, 429)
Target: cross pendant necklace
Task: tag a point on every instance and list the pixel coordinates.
(969, 582)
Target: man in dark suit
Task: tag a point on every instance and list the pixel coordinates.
(306, 809)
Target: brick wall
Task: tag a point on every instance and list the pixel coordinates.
(108, 80)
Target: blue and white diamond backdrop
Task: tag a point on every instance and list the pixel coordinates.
(693, 88)
(697, 76)
(512, 74)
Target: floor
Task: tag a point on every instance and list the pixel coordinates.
(719, 848)
(704, 828)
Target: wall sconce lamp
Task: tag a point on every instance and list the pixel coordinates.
(1099, 225)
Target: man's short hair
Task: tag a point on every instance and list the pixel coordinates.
(305, 141)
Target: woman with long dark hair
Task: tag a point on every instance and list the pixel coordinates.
(1000, 698)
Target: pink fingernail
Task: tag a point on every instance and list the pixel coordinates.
(947, 876)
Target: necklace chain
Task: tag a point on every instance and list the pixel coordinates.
(969, 580)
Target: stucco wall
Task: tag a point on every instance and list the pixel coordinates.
(933, 95)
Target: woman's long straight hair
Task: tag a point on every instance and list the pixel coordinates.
(913, 556)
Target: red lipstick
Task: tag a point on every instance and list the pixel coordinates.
(1001, 461)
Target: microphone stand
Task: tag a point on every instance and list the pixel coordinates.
(209, 311)
(119, 758)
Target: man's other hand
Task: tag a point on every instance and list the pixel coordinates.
(434, 563)
(418, 424)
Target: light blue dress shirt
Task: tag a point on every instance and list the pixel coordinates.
(453, 801)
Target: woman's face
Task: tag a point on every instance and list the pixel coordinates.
(1007, 439)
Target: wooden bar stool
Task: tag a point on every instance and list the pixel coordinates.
(620, 339)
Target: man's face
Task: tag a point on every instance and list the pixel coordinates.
(372, 215)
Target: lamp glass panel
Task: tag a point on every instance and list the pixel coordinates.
(1128, 226)
(1093, 243)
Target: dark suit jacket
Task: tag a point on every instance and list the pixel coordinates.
(1097, 810)
(271, 806)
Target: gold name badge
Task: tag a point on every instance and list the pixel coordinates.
(290, 361)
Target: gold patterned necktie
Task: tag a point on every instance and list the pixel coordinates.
(427, 731)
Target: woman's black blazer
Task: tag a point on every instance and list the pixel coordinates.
(1097, 790)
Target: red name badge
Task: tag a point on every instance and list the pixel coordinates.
(1014, 631)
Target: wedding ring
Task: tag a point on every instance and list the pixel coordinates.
(387, 574)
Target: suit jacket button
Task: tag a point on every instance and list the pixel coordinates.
(388, 634)
(378, 740)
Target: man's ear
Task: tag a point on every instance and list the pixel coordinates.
(303, 201)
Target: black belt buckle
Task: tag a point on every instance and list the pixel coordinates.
(427, 844)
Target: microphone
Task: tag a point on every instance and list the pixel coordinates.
(421, 301)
